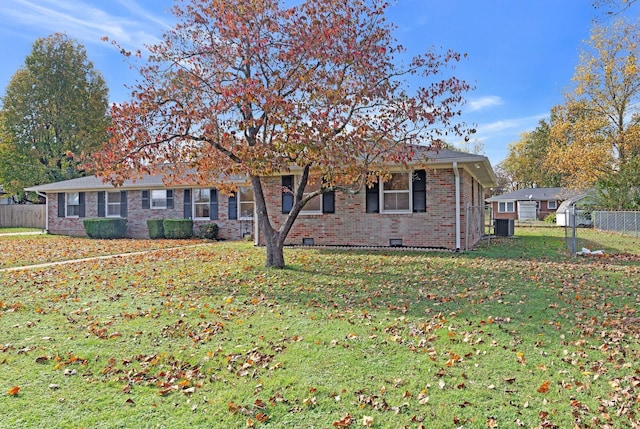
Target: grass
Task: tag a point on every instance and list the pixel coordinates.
(7, 230)
(514, 334)
(19, 250)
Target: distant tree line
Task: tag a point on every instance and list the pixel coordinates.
(592, 140)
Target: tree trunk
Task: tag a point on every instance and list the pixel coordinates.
(275, 251)
(274, 240)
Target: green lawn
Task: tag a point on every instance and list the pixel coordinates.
(515, 334)
(7, 230)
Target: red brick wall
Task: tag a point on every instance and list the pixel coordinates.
(542, 212)
(498, 215)
(351, 225)
(137, 216)
(545, 210)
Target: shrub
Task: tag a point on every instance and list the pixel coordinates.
(178, 228)
(156, 228)
(550, 218)
(105, 227)
(209, 230)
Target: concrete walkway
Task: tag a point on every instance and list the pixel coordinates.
(2, 234)
(93, 258)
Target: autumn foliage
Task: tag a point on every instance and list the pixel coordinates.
(253, 88)
(595, 134)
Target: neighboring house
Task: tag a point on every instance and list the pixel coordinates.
(528, 204)
(4, 199)
(426, 206)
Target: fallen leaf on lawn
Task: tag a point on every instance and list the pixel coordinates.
(344, 422)
(367, 421)
(544, 387)
(14, 391)
(165, 392)
(492, 422)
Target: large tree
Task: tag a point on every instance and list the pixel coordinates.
(253, 87)
(613, 7)
(526, 161)
(54, 107)
(578, 148)
(596, 132)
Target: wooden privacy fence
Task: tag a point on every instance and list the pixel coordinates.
(23, 216)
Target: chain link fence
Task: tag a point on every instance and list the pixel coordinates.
(474, 222)
(478, 224)
(570, 230)
(576, 219)
(624, 222)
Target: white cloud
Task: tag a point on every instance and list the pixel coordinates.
(515, 124)
(500, 126)
(84, 22)
(481, 103)
(496, 136)
(134, 8)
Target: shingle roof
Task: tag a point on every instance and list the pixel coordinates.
(534, 194)
(95, 183)
(481, 168)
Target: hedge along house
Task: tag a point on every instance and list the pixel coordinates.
(426, 205)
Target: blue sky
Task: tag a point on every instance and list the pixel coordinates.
(521, 53)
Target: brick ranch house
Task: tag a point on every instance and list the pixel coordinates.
(425, 207)
(528, 204)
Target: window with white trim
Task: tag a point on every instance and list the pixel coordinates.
(396, 193)
(201, 203)
(245, 203)
(314, 205)
(113, 204)
(158, 198)
(506, 207)
(72, 204)
(552, 205)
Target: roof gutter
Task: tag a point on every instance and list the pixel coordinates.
(456, 173)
